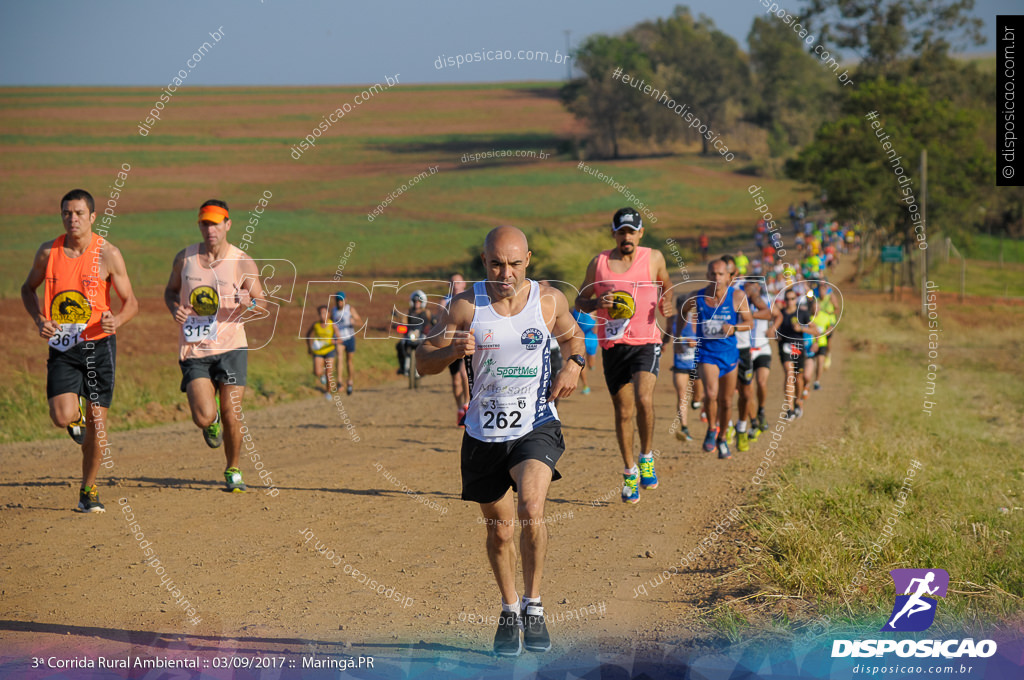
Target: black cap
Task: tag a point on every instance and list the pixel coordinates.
(627, 218)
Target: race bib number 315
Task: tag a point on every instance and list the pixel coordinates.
(199, 328)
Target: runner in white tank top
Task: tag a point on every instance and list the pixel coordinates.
(513, 439)
(510, 372)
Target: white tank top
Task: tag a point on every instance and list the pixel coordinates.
(343, 321)
(742, 337)
(759, 336)
(510, 371)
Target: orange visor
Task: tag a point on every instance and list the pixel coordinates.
(213, 213)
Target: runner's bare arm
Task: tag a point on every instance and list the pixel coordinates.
(449, 340)
(35, 278)
(569, 336)
(585, 301)
(739, 303)
(172, 292)
(249, 290)
(309, 338)
(763, 312)
(122, 286)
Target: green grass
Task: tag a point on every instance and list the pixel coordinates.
(817, 517)
(148, 392)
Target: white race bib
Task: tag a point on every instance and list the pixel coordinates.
(199, 328)
(501, 414)
(614, 329)
(67, 336)
(713, 329)
(319, 344)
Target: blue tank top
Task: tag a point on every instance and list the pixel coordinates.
(709, 327)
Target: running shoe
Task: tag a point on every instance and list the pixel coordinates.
(89, 500)
(535, 630)
(648, 480)
(696, 405)
(214, 432)
(723, 450)
(703, 417)
(585, 390)
(507, 640)
(233, 480)
(755, 433)
(709, 440)
(349, 388)
(683, 434)
(77, 429)
(742, 442)
(323, 380)
(817, 385)
(790, 415)
(327, 396)
(762, 422)
(730, 433)
(630, 490)
(799, 412)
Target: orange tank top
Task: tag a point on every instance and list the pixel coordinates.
(75, 295)
(212, 327)
(642, 327)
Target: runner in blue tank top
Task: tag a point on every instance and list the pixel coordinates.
(721, 312)
(506, 327)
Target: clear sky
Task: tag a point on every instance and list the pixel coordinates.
(326, 42)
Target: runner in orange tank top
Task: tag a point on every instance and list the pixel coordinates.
(77, 271)
(213, 285)
(625, 287)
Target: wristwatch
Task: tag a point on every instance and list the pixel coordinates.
(578, 359)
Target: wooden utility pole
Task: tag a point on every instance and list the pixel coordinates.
(924, 224)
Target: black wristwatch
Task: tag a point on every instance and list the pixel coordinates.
(578, 359)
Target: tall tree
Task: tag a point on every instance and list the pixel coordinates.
(698, 64)
(848, 160)
(614, 110)
(795, 94)
(884, 31)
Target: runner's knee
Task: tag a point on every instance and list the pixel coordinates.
(530, 508)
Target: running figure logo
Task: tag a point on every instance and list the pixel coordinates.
(914, 611)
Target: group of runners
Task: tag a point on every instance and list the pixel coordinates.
(498, 339)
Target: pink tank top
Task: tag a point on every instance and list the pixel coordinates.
(212, 327)
(642, 327)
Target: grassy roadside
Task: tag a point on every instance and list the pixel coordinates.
(815, 524)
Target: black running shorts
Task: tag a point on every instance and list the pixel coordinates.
(486, 465)
(762, 361)
(795, 355)
(87, 369)
(226, 368)
(746, 366)
(622, 362)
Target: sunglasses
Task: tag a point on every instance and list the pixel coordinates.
(631, 227)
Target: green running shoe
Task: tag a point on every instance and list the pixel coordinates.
(630, 490)
(648, 480)
(76, 430)
(89, 500)
(214, 433)
(233, 480)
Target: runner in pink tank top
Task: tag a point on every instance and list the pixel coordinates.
(623, 288)
(212, 285)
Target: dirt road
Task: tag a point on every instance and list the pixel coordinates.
(248, 564)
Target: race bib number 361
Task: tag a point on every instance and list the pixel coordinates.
(67, 336)
(199, 328)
